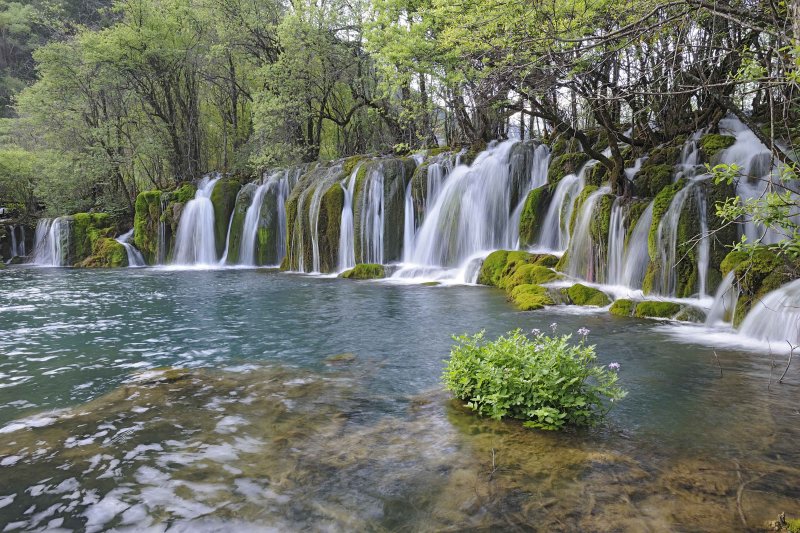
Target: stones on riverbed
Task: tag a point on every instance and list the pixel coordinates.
(340, 359)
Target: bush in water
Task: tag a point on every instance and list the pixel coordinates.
(546, 381)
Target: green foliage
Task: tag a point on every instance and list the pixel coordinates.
(106, 253)
(145, 224)
(365, 271)
(545, 381)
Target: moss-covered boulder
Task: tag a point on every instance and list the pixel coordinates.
(596, 175)
(106, 253)
(365, 271)
(653, 309)
(85, 229)
(622, 307)
(530, 297)
(653, 178)
(145, 224)
(223, 197)
(757, 272)
(712, 145)
(563, 165)
(589, 296)
(527, 274)
(502, 264)
(533, 214)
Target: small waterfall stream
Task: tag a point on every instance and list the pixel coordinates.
(195, 242)
(776, 317)
(616, 243)
(723, 309)
(347, 247)
(555, 232)
(313, 212)
(51, 236)
(135, 258)
(372, 216)
(584, 261)
(637, 256)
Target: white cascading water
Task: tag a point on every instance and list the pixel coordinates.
(48, 250)
(616, 243)
(409, 226)
(195, 241)
(724, 307)
(582, 260)
(135, 258)
(347, 237)
(555, 233)
(372, 216)
(637, 256)
(313, 213)
(776, 317)
(161, 254)
(18, 241)
(471, 216)
(275, 184)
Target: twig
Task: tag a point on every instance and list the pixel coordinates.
(718, 363)
(494, 466)
(791, 353)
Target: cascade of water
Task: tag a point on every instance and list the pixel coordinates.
(161, 254)
(667, 243)
(703, 245)
(616, 243)
(194, 242)
(724, 307)
(49, 242)
(22, 247)
(313, 212)
(14, 245)
(409, 226)
(583, 253)
(135, 258)
(776, 317)
(285, 182)
(637, 256)
(247, 254)
(372, 219)
(347, 248)
(436, 175)
(555, 234)
(538, 178)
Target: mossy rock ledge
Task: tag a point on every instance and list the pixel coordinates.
(589, 296)
(365, 271)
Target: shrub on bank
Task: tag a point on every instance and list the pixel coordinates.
(546, 381)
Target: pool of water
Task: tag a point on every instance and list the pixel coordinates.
(263, 422)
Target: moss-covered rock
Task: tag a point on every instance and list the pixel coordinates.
(365, 271)
(596, 175)
(106, 253)
(530, 297)
(622, 307)
(653, 309)
(533, 214)
(563, 165)
(502, 264)
(145, 224)
(713, 144)
(653, 178)
(691, 313)
(184, 193)
(223, 197)
(582, 295)
(527, 274)
(661, 204)
(757, 272)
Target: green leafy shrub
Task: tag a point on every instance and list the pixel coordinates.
(546, 381)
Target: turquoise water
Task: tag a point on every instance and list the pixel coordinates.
(263, 428)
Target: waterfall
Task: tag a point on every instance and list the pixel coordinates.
(776, 317)
(616, 243)
(372, 216)
(437, 171)
(49, 247)
(667, 243)
(18, 242)
(194, 242)
(247, 252)
(582, 251)
(409, 226)
(135, 258)
(723, 309)
(637, 256)
(347, 248)
(313, 212)
(161, 258)
(555, 234)
(703, 245)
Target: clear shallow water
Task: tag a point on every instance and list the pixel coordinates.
(264, 429)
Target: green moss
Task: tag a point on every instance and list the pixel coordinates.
(622, 307)
(223, 197)
(351, 163)
(660, 206)
(493, 268)
(365, 271)
(527, 274)
(145, 224)
(184, 193)
(584, 194)
(582, 295)
(563, 165)
(530, 297)
(793, 525)
(532, 214)
(651, 309)
(757, 273)
(653, 178)
(713, 143)
(596, 175)
(85, 230)
(106, 253)
(546, 260)
(691, 314)
(329, 226)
